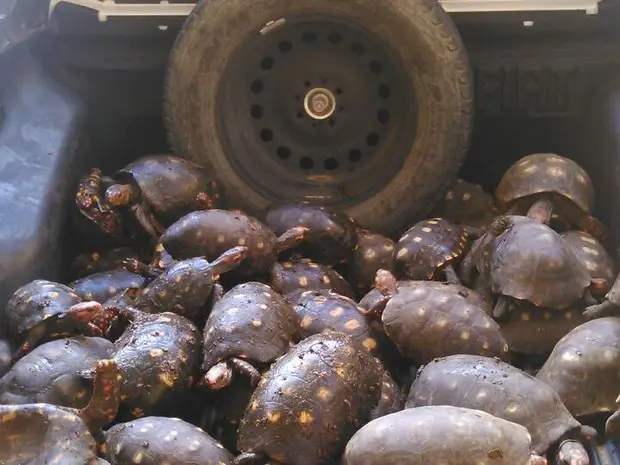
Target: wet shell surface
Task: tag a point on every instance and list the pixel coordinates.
(530, 261)
(372, 252)
(427, 246)
(251, 322)
(321, 310)
(106, 284)
(332, 235)
(497, 388)
(534, 331)
(156, 355)
(439, 434)
(313, 399)
(210, 233)
(467, 204)
(35, 302)
(546, 173)
(50, 373)
(305, 274)
(428, 319)
(163, 440)
(594, 256)
(44, 434)
(584, 367)
(96, 262)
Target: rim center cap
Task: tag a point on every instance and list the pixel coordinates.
(319, 103)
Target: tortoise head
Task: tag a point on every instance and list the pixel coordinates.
(219, 376)
(120, 195)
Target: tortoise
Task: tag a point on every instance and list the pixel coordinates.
(429, 248)
(312, 400)
(251, 324)
(520, 258)
(440, 434)
(43, 310)
(157, 355)
(429, 319)
(106, 284)
(331, 237)
(156, 189)
(325, 309)
(372, 252)
(289, 276)
(186, 286)
(534, 331)
(488, 384)
(610, 305)
(543, 183)
(87, 264)
(467, 205)
(93, 207)
(51, 434)
(51, 373)
(211, 232)
(583, 367)
(5, 356)
(162, 440)
(595, 257)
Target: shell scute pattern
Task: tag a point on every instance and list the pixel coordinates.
(303, 273)
(107, 284)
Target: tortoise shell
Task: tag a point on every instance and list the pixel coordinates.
(583, 367)
(305, 274)
(34, 303)
(321, 310)
(535, 331)
(313, 399)
(96, 262)
(372, 252)
(530, 261)
(106, 284)
(210, 233)
(426, 247)
(157, 356)
(50, 373)
(594, 256)
(439, 434)
(332, 235)
(169, 184)
(427, 319)
(543, 173)
(252, 322)
(466, 204)
(159, 440)
(5, 357)
(493, 386)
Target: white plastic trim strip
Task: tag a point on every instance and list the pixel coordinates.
(107, 8)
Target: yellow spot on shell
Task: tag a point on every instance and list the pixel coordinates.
(306, 321)
(591, 251)
(369, 343)
(194, 446)
(588, 239)
(591, 266)
(441, 323)
(449, 195)
(555, 171)
(512, 407)
(336, 312)
(260, 245)
(303, 281)
(138, 457)
(465, 335)
(220, 239)
(88, 296)
(525, 316)
(242, 241)
(417, 239)
(530, 169)
(156, 352)
(352, 324)
(369, 254)
(178, 278)
(166, 379)
(118, 448)
(273, 417)
(254, 405)
(466, 197)
(256, 323)
(305, 417)
(427, 230)
(323, 393)
(53, 295)
(402, 252)
(547, 315)
(486, 345)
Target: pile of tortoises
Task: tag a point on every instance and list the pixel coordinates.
(487, 333)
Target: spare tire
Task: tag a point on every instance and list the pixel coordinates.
(362, 105)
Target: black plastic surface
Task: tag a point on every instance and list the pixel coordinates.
(20, 19)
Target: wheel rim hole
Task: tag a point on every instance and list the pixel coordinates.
(306, 163)
(257, 86)
(357, 48)
(285, 46)
(334, 38)
(283, 153)
(307, 84)
(338, 91)
(257, 112)
(375, 67)
(300, 115)
(331, 164)
(266, 135)
(332, 122)
(384, 91)
(308, 37)
(267, 63)
(383, 116)
(341, 108)
(355, 156)
(372, 139)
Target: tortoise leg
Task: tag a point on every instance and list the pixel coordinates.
(572, 452)
(203, 201)
(588, 299)
(537, 460)
(136, 266)
(217, 293)
(502, 307)
(93, 330)
(604, 309)
(451, 275)
(248, 458)
(468, 267)
(541, 210)
(145, 217)
(474, 232)
(247, 369)
(290, 238)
